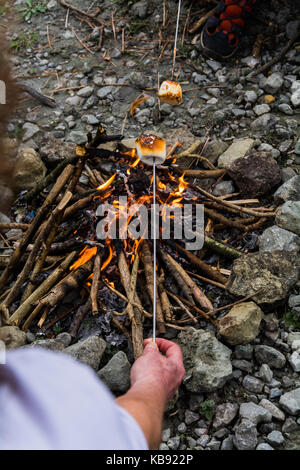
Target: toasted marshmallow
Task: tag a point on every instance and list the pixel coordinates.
(151, 149)
(170, 92)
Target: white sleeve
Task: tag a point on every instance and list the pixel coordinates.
(50, 401)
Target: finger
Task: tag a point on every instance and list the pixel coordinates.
(170, 349)
(150, 346)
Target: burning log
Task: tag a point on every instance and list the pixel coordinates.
(95, 283)
(164, 300)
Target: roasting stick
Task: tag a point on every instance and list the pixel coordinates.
(154, 252)
(175, 41)
(151, 150)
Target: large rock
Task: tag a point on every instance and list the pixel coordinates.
(290, 402)
(12, 336)
(53, 344)
(255, 174)
(89, 351)
(275, 273)
(116, 373)
(207, 361)
(29, 169)
(273, 409)
(288, 191)
(288, 216)
(239, 148)
(241, 324)
(276, 238)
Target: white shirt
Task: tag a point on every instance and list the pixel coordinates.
(50, 401)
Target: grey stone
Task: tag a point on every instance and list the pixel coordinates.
(200, 431)
(227, 443)
(289, 426)
(29, 131)
(181, 428)
(275, 438)
(268, 148)
(289, 191)
(191, 417)
(51, 344)
(214, 444)
(288, 173)
(252, 384)
(265, 373)
(275, 271)
(290, 401)
(12, 336)
(65, 337)
(239, 148)
(90, 119)
(203, 440)
(264, 446)
(268, 355)
(140, 9)
(295, 98)
(225, 414)
(276, 238)
(245, 437)
(294, 336)
(116, 373)
(272, 83)
(207, 361)
(104, 92)
(275, 393)
(242, 364)
(74, 100)
(225, 187)
(243, 351)
(288, 216)
(85, 92)
(264, 122)
(294, 361)
(173, 442)
(163, 446)
(250, 96)
(166, 434)
(273, 409)
(286, 109)
(89, 351)
(260, 109)
(254, 413)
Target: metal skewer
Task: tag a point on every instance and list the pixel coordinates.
(175, 40)
(154, 252)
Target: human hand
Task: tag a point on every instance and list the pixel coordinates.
(161, 366)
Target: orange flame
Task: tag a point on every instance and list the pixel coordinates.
(107, 183)
(109, 258)
(86, 255)
(162, 186)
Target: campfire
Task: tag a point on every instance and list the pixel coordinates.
(96, 239)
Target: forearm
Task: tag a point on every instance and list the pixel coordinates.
(146, 403)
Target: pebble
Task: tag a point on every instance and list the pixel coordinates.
(191, 417)
(275, 438)
(252, 384)
(254, 413)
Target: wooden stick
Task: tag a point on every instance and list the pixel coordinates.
(42, 290)
(29, 234)
(197, 293)
(164, 300)
(31, 258)
(95, 283)
(208, 270)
